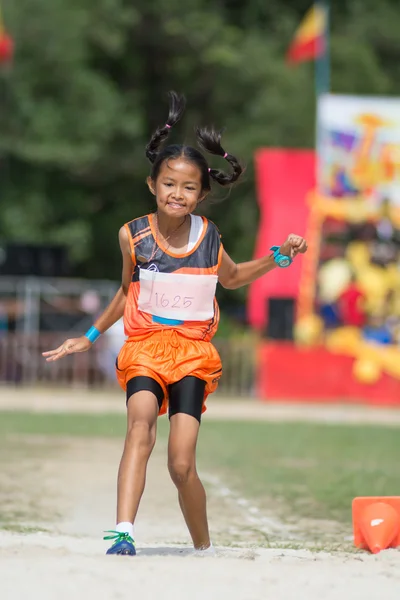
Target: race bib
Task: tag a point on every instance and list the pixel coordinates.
(176, 296)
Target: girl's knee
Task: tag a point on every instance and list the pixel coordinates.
(141, 435)
(181, 471)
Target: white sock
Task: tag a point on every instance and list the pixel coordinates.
(206, 551)
(125, 527)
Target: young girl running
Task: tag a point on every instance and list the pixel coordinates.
(172, 261)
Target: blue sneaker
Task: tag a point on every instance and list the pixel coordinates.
(123, 543)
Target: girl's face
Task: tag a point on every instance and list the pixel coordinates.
(177, 188)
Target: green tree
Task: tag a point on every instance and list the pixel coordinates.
(89, 84)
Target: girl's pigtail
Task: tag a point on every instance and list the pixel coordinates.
(176, 109)
(210, 141)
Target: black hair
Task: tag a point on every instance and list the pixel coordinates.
(209, 140)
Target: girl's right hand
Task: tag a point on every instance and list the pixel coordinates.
(80, 344)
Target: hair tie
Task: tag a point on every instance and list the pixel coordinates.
(168, 126)
(225, 155)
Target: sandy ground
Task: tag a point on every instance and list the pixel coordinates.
(67, 489)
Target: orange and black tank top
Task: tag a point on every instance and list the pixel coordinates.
(203, 258)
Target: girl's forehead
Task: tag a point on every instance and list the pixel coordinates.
(180, 167)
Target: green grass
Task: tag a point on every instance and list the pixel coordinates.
(299, 470)
(62, 424)
(309, 470)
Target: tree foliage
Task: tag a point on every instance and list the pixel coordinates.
(89, 84)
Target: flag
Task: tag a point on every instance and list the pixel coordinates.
(6, 44)
(309, 41)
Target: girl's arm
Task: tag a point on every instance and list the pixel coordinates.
(115, 310)
(112, 313)
(233, 276)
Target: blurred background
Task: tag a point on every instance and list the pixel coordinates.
(310, 99)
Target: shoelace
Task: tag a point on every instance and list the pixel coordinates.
(118, 536)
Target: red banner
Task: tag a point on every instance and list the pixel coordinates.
(284, 178)
(295, 374)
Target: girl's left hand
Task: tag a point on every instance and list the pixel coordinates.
(294, 245)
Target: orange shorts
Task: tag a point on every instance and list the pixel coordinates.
(167, 356)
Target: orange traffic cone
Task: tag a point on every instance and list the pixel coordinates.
(376, 522)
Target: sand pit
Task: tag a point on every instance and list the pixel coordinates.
(66, 569)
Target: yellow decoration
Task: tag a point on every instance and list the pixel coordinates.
(366, 371)
(381, 286)
(373, 281)
(358, 255)
(395, 306)
(333, 278)
(309, 330)
(392, 276)
(344, 340)
(351, 209)
(357, 211)
(371, 359)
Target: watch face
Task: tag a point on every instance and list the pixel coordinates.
(284, 262)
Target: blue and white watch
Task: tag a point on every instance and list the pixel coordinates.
(281, 260)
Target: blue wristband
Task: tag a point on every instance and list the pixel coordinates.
(281, 260)
(92, 334)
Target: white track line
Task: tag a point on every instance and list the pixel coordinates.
(250, 513)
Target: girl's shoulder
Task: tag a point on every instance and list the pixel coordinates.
(138, 224)
(212, 226)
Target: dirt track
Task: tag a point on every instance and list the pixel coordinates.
(71, 484)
